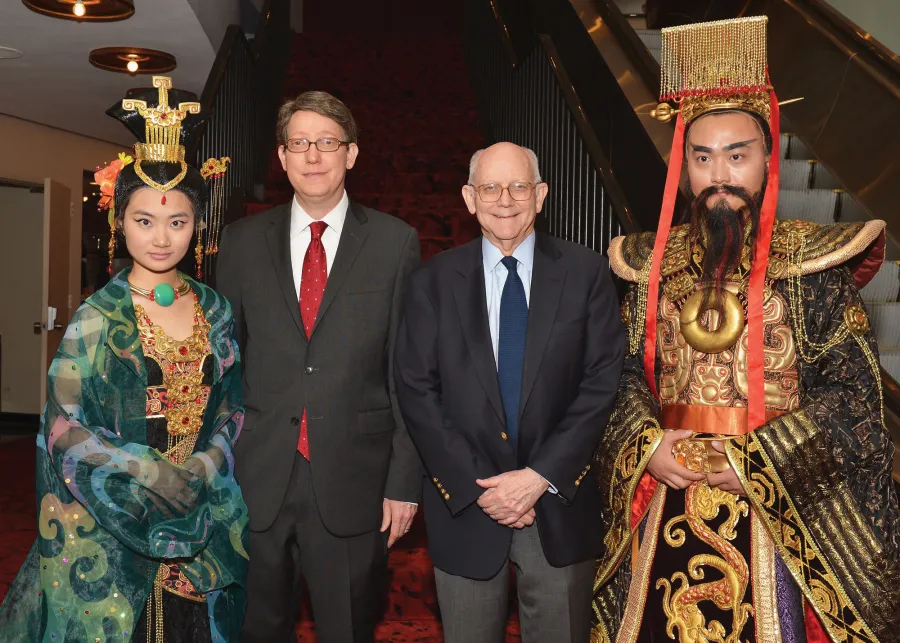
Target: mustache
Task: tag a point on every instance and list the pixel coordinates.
(734, 190)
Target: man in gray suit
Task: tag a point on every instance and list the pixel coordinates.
(328, 470)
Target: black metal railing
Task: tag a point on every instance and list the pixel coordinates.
(240, 101)
(523, 99)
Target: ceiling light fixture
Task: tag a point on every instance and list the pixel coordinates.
(132, 60)
(83, 10)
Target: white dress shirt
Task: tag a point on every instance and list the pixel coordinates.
(301, 236)
(495, 274)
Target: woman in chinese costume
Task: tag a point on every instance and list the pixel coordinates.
(746, 471)
(142, 526)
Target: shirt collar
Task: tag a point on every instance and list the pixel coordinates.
(300, 220)
(524, 253)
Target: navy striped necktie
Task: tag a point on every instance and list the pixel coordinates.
(511, 350)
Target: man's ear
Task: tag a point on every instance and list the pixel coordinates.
(468, 195)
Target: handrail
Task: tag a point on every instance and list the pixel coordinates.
(240, 101)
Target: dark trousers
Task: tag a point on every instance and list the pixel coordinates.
(346, 577)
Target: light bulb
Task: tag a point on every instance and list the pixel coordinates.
(78, 9)
(132, 66)
(84, 198)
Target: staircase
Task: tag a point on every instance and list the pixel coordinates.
(809, 192)
(418, 129)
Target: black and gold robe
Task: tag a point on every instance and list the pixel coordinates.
(813, 550)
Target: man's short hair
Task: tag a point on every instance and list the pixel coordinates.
(532, 158)
(321, 103)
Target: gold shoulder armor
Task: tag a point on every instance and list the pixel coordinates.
(824, 246)
(629, 255)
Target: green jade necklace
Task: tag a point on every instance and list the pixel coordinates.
(163, 294)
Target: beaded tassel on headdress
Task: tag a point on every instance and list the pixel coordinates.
(208, 230)
(709, 67)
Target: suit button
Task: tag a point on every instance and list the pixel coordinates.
(504, 436)
(295, 421)
(578, 482)
(435, 480)
(446, 496)
(309, 370)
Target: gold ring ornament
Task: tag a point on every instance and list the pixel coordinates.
(731, 321)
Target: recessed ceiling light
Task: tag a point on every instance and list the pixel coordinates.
(83, 10)
(8, 53)
(132, 60)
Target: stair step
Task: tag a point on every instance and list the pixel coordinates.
(890, 360)
(793, 148)
(818, 206)
(885, 320)
(885, 286)
(799, 174)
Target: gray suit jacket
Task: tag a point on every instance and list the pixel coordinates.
(360, 451)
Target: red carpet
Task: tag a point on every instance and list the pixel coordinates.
(411, 97)
(418, 127)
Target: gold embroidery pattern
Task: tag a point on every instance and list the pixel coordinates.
(765, 590)
(797, 548)
(637, 592)
(681, 606)
(631, 461)
(688, 376)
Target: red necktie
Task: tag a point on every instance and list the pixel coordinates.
(312, 285)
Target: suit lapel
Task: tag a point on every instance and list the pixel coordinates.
(547, 280)
(468, 291)
(353, 236)
(278, 236)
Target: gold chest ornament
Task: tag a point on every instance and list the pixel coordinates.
(730, 325)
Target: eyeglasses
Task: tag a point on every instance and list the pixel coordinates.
(324, 144)
(518, 191)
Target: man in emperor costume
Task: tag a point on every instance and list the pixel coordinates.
(746, 470)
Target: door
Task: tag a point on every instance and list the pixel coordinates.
(58, 304)
(22, 367)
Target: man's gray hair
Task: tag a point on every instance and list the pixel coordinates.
(532, 158)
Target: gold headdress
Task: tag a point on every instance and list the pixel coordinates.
(164, 121)
(714, 65)
(162, 133)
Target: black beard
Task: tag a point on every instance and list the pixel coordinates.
(725, 232)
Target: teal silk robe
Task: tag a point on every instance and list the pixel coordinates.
(104, 519)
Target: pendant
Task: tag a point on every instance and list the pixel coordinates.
(164, 295)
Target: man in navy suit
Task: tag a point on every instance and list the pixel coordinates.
(506, 367)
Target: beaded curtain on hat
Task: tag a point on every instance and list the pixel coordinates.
(714, 65)
(706, 67)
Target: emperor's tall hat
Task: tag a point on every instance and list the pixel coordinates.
(166, 123)
(707, 67)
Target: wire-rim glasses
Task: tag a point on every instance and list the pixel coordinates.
(492, 192)
(324, 144)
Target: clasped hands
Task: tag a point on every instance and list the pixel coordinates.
(511, 496)
(665, 468)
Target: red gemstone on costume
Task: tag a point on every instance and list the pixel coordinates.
(109, 270)
(183, 350)
(162, 116)
(163, 200)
